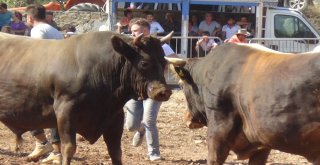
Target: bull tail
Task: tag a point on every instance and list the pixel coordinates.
(18, 140)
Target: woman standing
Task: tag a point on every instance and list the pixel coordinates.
(17, 26)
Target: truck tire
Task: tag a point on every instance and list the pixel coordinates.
(297, 4)
(85, 7)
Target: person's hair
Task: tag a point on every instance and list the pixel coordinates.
(208, 13)
(70, 28)
(6, 29)
(230, 18)
(38, 12)
(126, 12)
(49, 13)
(139, 21)
(3, 5)
(18, 15)
(148, 13)
(205, 33)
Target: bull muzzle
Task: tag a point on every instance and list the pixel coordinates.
(159, 92)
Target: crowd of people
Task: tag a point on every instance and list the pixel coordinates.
(233, 31)
(13, 22)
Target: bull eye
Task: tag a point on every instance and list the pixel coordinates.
(144, 64)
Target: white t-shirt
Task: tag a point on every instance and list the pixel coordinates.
(167, 50)
(230, 31)
(316, 49)
(155, 27)
(210, 28)
(206, 46)
(45, 31)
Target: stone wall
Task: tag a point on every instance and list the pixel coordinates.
(83, 21)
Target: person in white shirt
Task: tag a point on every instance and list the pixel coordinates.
(141, 115)
(229, 29)
(36, 18)
(155, 26)
(209, 25)
(204, 45)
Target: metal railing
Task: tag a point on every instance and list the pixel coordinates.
(288, 45)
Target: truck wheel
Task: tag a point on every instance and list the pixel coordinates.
(296, 4)
(85, 7)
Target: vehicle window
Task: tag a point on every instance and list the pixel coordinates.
(287, 26)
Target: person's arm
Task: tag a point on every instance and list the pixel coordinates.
(200, 29)
(217, 29)
(168, 52)
(224, 32)
(159, 28)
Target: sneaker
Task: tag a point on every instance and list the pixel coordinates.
(138, 138)
(53, 158)
(154, 157)
(40, 150)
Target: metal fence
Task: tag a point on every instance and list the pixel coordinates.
(287, 45)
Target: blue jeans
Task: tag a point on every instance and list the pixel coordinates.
(143, 114)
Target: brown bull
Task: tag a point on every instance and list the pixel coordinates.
(253, 100)
(78, 85)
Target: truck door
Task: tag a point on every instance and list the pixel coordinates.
(290, 30)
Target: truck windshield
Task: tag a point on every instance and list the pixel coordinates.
(288, 26)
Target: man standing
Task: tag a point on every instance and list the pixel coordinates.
(36, 18)
(142, 114)
(5, 15)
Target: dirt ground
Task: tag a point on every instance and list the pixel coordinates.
(179, 145)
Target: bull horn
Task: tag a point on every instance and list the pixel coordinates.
(176, 61)
(136, 40)
(166, 38)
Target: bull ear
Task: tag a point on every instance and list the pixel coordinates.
(122, 47)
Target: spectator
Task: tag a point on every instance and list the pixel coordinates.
(18, 27)
(155, 27)
(170, 24)
(192, 42)
(50, 21)
(6, 29)
(245, 24)
(195, 24)
(142, 114)
(69, 31)
(5, 15)
(209, 25)
(123, 25)
(229, 29)
(36, 17)
(204, 45)
(239, 37)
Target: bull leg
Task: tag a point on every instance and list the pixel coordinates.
(67, 130)
(219, 133)
(260, 157)
(112, 137)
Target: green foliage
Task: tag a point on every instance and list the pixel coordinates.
(19, 3)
